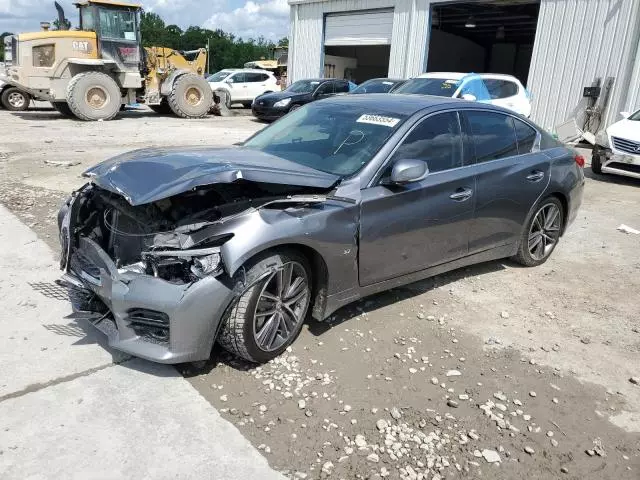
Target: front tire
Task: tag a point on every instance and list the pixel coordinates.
(15, 100)
(94, 96)
(270, 313)
(191, 96)
(596, 160)
(542, 233)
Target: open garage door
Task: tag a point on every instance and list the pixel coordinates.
(357, 45)
(491, 36)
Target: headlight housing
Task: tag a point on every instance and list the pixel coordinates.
(282, 103)
(183, 266)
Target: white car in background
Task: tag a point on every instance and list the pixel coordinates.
(618, 149)
(243, 85)
(497, 89)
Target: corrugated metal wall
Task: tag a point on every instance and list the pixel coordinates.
(576, 42)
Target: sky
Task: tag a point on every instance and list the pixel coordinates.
(244, 18)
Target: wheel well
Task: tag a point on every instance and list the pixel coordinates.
(565, 208)
(319, 274)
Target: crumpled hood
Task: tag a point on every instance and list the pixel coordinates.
(148, 175)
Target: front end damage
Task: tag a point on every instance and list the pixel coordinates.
(156, 274)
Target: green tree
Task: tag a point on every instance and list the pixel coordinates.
(56, 25)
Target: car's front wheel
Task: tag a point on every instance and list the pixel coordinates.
(542, 233)
(15, 100)
(269, 314)
(596, 159)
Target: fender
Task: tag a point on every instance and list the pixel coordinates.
(167, 84)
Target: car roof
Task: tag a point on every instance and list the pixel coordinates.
(399, 103)
(460, 75)
(383, 79)
(251, 70)
(318, 80)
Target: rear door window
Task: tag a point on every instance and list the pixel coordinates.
(341, 87)
(493, 135)
(526, 136)
(500, 88)
(436, 140)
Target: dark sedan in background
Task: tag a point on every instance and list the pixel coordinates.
(272, 106)
(378, 85)
(342, 198)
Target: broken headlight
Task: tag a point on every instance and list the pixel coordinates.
(183, 265)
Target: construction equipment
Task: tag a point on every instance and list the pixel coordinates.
(92, 72)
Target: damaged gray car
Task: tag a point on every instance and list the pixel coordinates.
(175, 249)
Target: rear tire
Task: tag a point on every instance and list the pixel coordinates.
(163, 108)
(15, 100)
(596, 160)
(541, 233)
(250, 332)
(63, 108)
(94, 96)
(191, 96)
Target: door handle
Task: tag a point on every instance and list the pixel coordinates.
(535, 176)
(461, 194)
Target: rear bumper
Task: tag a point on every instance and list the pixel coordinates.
(192, 311)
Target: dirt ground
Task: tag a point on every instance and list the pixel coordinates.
(493, 371)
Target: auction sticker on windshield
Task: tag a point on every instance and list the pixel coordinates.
(378, 120)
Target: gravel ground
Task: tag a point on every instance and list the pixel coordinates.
(492, 371)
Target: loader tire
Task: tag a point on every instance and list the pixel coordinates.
(191, 96)
(62, 108)
(94, 96)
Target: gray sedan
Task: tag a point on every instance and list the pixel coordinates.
(168, 251)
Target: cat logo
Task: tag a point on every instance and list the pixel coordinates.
(81, 46)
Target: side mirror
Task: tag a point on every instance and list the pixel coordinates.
(408, 170)
(229, 80)
(625, 114)
(470, 97)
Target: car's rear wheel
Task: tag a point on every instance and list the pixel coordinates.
(270, 313)
(542, 233)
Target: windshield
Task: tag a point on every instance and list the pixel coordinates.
(334, 138)
(441, 87)
(118, 24)
(303, 86)
(375, 86)
(218, 77)
(635, 116)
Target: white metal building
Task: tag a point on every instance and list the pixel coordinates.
(555, 47)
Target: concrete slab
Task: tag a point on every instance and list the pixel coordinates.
(37, 344)
(135, 420)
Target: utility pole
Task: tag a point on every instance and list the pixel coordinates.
(208, 56)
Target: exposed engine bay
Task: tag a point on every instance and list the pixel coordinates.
(172, 238)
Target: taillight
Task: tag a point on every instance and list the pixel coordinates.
(579, 160)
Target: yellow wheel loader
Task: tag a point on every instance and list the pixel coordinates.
(92, 72)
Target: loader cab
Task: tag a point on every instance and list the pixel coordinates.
(117, 27)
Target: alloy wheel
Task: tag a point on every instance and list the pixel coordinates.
(544, 231)
(16, 99)
(281, 306)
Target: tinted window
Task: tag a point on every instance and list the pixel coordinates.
(501, 88)
(118, 24)
(493, 135)
(375, 86)
(239, 78)
(253, 77)
(341, 87)
(441, 87)
(526, 136)
(325, 88)
(436, 140)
